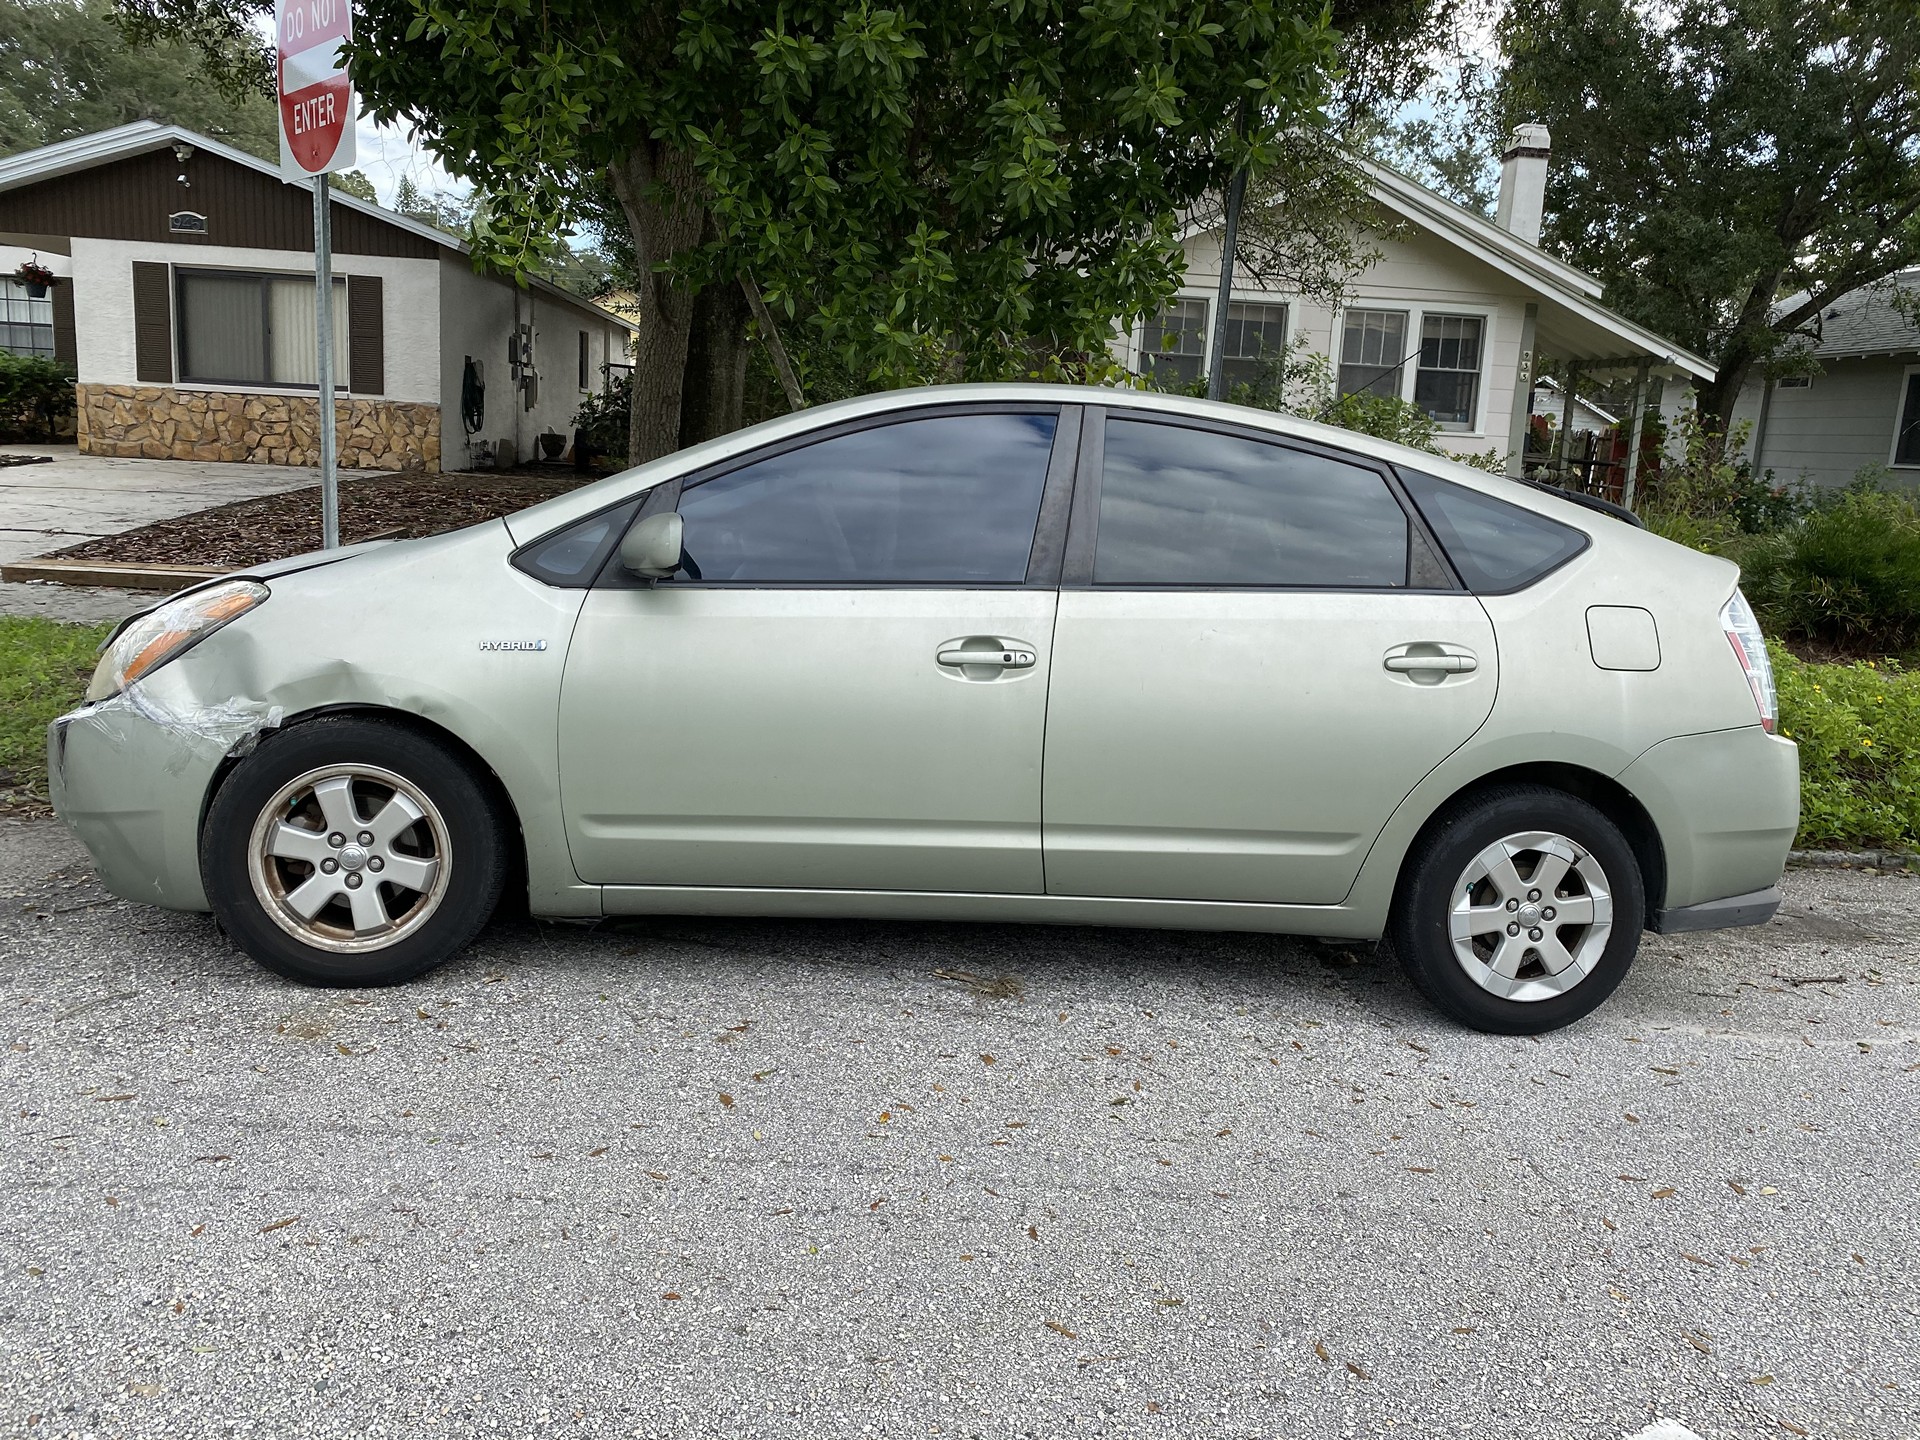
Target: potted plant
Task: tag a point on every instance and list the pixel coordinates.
(35, 276)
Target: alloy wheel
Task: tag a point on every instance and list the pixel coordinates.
(349, 858)
(1531, 915)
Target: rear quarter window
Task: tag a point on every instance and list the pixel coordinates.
(1496, 547)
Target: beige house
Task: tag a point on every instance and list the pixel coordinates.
(1455, 315)
(184, 298)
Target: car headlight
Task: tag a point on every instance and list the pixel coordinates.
(149, 641)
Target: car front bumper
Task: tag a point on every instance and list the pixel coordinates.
(130, 776)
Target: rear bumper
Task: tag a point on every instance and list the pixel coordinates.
(1731, 913)
(1726, 804)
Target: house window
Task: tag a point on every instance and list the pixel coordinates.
(1906, 441)
(238, 327)
(1795, 382)
(1173, 345)
(1373, 348)
(26, 326)
(1256, 339)
(586, 363)
(1447, 384)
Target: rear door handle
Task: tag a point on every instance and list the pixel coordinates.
(1449, 664)
(1003, 659)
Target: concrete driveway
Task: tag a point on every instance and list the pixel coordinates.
(81, 497)
(702, 1178)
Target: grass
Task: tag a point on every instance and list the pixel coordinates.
(44, 667)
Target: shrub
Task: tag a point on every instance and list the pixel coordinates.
(1848, 573)
(604, 416)
(35, 395)
(1858, 728)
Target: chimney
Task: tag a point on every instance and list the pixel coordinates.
(1523, 182)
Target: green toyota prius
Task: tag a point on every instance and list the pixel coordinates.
(1005, 652)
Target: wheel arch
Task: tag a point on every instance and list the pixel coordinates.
(1604, 793)
(489, 778)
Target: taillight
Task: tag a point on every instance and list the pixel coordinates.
(1743, 632)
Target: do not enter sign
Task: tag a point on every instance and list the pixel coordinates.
(316, 93)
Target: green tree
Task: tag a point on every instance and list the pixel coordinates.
(354, 183)
(1728, 168)
(946, 188)
(66, 69)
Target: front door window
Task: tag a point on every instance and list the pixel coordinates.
(945, 500)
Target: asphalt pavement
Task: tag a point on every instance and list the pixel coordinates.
(731, 1178)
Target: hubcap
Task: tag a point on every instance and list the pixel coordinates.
(1531, 916)
(349, 858)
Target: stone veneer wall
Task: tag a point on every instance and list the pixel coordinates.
(161, 423)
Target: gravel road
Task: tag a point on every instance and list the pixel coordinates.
(716, 1179)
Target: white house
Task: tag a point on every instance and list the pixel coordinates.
(1550, 404)
(1454, 316)
(184, 297)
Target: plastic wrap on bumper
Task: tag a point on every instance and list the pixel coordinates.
(130, 776)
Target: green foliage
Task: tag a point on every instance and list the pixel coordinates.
(945, 179)
(66, 69)
(43, 672)
(1858, 728)
(1714, 157)
(35, 395)
(352, 182)
(604, 416)
(1847, 574)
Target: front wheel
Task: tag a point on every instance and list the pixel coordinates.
(350, 851)
(1520, 912)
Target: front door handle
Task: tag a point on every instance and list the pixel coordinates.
(1003, 659)
(1447, 664)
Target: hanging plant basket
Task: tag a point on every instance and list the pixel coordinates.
(36, 277)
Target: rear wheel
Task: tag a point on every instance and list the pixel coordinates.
(1521, 911)
(349, 851)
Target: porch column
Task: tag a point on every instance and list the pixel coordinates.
(1633, 434)
(1522, 406)
(1564, 441)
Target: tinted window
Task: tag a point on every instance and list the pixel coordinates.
(1495, 546)
(574, 556)
(945, 500)
(1191, 507)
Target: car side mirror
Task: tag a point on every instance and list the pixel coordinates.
(652, 548)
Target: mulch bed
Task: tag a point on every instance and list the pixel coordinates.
(251, 532)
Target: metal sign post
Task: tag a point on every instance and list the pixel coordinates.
(316, 138)
(323, 329)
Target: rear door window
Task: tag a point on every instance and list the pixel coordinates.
(1495, 546)
(940, 500)
(1182, 506)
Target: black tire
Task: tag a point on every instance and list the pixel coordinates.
(1420, 927)
(471, 828)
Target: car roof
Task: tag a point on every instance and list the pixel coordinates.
(550, 515)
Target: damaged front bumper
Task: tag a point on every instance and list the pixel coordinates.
(131, 775)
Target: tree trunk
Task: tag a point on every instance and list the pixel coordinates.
(713, 400)
(659, 194)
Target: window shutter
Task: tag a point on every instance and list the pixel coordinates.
(64, 348)
(152, 324)
(366, 336)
